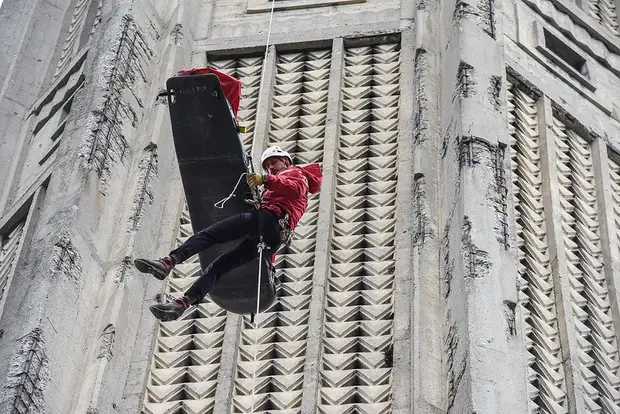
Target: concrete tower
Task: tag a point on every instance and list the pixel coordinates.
(463, 255)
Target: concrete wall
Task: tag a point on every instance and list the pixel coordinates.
(28, 28)
(72, 316)
(97, 185)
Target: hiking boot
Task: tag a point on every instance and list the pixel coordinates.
(170, 311)
(159, 268)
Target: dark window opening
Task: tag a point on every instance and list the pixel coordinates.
(566, 53)
(65, 111)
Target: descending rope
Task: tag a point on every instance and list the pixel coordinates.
(261, 245)
(262, 75)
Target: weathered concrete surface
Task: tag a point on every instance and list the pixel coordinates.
(422, 120)
(478, 278)
(114, 189)
(595, 109)
(26, 29)
(76, 315)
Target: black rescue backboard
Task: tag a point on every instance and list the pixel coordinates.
(211, 161)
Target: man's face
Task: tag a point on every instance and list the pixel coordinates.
(274, 165)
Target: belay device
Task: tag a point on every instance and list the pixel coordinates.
(203, 104)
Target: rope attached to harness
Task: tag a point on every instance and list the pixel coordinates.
(220, 204)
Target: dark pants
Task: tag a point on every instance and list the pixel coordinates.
(244, 225)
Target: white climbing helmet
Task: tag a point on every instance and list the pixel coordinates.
(274, 152)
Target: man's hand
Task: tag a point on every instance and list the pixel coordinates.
(256, 179)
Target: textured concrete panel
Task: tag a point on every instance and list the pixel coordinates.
(462, 256)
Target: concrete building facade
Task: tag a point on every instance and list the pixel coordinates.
(463, 255)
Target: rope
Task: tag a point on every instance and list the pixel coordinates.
(261, 245)
(220, 204)
(262, 75)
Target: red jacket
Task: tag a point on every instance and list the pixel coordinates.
(287, 191)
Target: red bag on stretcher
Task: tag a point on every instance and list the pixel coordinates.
(230, 85)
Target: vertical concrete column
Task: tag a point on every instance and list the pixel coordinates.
(559, 268)
(324, 232)
(228, 363)
(263, 112)
(479, 279)
(100, 378)
(418, 284)
(407, 316)
(607, 226)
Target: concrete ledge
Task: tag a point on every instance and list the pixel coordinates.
(252, 44)
(262, 6)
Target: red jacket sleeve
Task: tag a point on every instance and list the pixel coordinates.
(289, 183)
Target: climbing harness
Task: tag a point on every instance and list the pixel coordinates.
(286, 234)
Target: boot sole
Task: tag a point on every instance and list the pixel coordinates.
(146, 267)
(164, 316)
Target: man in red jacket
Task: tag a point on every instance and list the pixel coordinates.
(286, 196)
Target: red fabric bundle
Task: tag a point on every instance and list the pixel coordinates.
(230, 85)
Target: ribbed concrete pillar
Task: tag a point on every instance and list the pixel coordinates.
(263, 112)
(479, 282)
(406, 325)
(226, 376)
(420, 126)
(120, 299)
(312, 369)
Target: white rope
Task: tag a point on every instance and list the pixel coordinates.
(260, 247)
(262, 75)
(220, 204)
(256, 315)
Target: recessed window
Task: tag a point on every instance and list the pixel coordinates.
(566, 53)
(562, 59)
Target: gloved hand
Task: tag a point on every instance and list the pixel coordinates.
(256, 179)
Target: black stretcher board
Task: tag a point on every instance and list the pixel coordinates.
(211, 160)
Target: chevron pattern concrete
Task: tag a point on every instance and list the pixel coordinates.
(186, 356)
(604, 11)
(614, 172)
(537, 307)
(248, 70)
(300, 104)
(355, 377)
(72, 41)
(8, 253)
(270, 364)
(598, 347)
